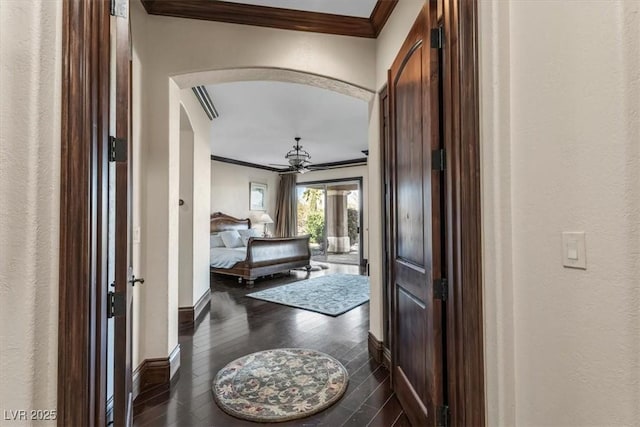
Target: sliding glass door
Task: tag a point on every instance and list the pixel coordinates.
(331, 213)
(311, 216)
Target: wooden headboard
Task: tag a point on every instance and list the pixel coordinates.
(222, 222)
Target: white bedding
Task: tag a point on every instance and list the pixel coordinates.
(226, 257)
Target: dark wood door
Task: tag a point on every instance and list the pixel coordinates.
(122, 392)
(416, 243)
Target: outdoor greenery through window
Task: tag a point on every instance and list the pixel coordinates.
(311, 213)
(330, 215)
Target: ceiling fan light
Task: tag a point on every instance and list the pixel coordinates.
(298, 157)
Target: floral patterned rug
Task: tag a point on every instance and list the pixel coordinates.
(332, 294)
(280, 385)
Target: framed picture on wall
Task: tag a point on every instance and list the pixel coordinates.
(257, 196)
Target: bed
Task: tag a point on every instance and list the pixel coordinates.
(260, 257)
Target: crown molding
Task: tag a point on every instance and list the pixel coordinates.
(245, 164)
(380, 14)
(341, 164)
(264, 16)
(329, 165)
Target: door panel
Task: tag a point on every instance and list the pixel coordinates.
(410, 159)
(412, 363)
(416, 235)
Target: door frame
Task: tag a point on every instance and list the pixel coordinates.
(385, 197)
(83, 285)
(464, 305)
(359, 180)
(465, 341)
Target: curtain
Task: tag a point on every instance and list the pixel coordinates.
(286, 206)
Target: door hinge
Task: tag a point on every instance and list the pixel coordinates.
(439, 160)
(441, 289)
(116, 304)
(117, 149)
(118, 8)
(442, 416)
(437, 38)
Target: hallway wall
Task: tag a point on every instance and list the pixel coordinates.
(175, 46)
(561, 153)
(200, 196)
(30, 83)
(230, 190)
(139, 103)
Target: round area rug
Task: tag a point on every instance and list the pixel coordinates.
(280, 385)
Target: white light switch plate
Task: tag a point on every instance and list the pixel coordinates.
(574, 251)
(136, 235)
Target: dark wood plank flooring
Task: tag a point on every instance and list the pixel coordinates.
(237, 325)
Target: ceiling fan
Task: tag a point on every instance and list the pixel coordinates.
(299, 160)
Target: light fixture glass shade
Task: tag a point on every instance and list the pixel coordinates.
(297, 156)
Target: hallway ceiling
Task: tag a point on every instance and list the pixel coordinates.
(359, 8)
(259, 120)
(358, 18)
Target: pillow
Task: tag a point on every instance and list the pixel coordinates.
(231, 239)
(245, 235)
(215, 241)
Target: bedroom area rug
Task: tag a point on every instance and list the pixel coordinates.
(333, 294)
(280, 385)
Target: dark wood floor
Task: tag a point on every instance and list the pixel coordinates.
(237, 325)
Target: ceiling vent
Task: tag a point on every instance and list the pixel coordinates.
(206, 102)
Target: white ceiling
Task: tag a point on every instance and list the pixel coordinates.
(259, 120)
(359, 8)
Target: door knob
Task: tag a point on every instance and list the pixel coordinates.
(135, 280)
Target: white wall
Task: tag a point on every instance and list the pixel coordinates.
(196, 195)
(230, 189)
(561, 152)
(170, 46)
(497, 238)
(201, 176)
(186, 233)
(349, 172)
(138, 105)
(30, 81)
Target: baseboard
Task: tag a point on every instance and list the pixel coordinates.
(135, 380)
(174, 362)
(154, 376)
(188, 316)
(386, 358)
(375, 348)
